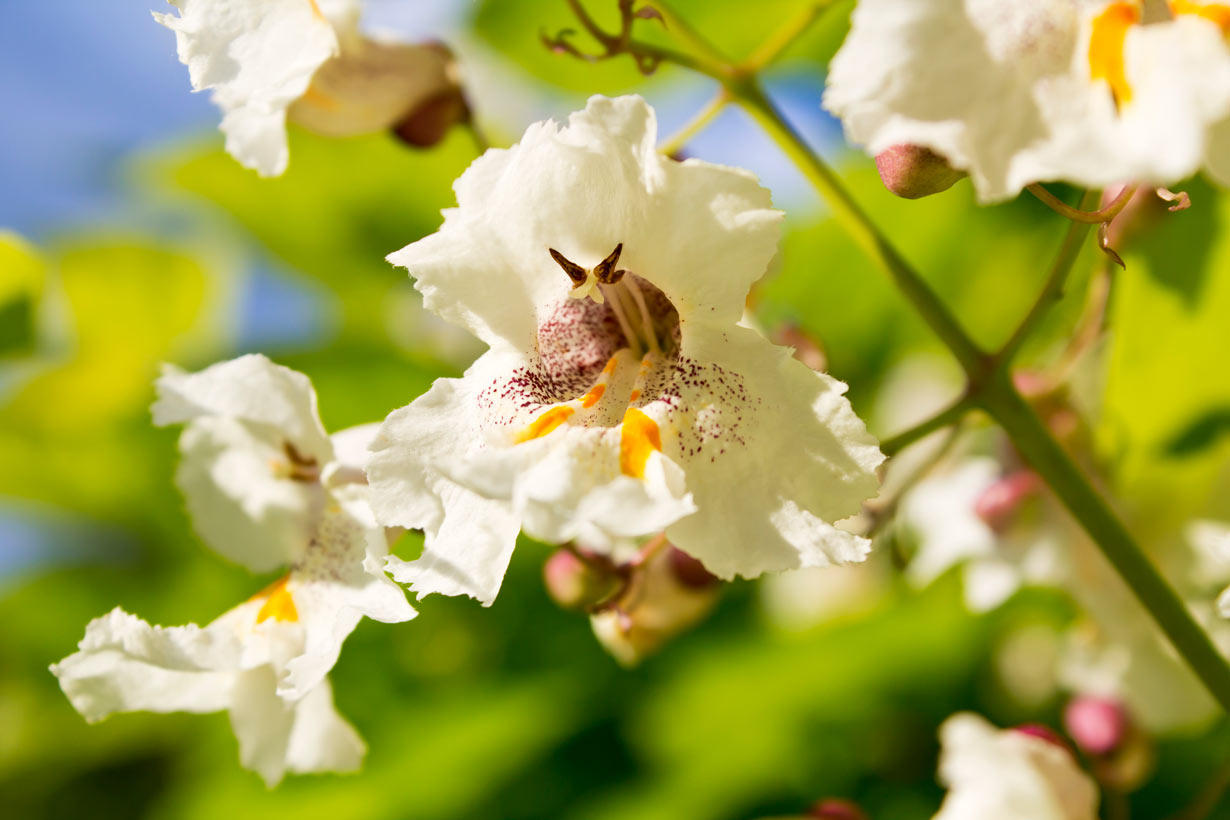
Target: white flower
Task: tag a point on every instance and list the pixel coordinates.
(620, 395)
(265, 59)
(1009, 775)
(942, 514)
(126, 665)
(1211, 544)
(1093, 92)
(265, 487)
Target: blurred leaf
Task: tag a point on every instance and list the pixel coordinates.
(22, 274)
(1167, 383)
(340, 208)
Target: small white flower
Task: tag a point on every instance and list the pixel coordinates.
(1009, 775)
(267, 59)
(268, 488)
(621, 395)
(1093, 92)
(1211, 544)
(942, 514)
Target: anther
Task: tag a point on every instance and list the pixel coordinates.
(605, 270)
(575, 272)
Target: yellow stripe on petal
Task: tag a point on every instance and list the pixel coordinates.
(279, 604)
(1106, 45)
(545, 423)
(638, 438)
(320, 15)
(593, 396)
(1218, 13)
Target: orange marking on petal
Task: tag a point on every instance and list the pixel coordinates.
(639, 437)
(279, 603)
(1106, 45)
(545, 423)
(1217, 13)
(593, 396)
(611, 364)
(316, 11)
(636, 394)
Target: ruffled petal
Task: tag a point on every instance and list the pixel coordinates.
(124, 664)
(249, 389)
(701, 233)
(773, 453)
(1010, 93)
(339, 581)
(468, 539)
(241, 502)
(257, 58)
(276, 736)
(1009, 775)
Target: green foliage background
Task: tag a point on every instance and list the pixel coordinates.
(515, 712)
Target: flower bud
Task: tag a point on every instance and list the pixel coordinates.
(913, 171)
(372, 86)
(832, 808)
(666, 594)
(577, 584)
(1098, 725)
(999, 503)
(688, 571)
(1043, 733)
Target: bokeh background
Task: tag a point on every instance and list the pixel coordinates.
(132, 239)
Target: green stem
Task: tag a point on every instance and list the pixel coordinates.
(1081, 214)
(1052, 291)
(1049, 460)
(948, 416)
(860, 228)
(783, 38)
(695, 125)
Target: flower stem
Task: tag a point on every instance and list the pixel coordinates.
(860, 228)
(1080, 214)
(945, 418)
(695, 125)
(1069, 250)
(1040, 449)
(783, 38)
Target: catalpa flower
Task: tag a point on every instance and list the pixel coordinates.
(265, 487)
(620, 396)
(1093, 92)
(267, 59)
(1010, 774)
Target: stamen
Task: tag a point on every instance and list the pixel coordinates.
(575, 272)
(612, 298)
(647, 325)
(605, 270)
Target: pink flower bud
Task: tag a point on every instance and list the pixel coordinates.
(576, 584)
(832, 808)
(999, 503)
(912, 171)
(1043, 733)
(690, 572)
(1098, 725)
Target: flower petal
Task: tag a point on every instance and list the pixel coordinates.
(469, 539)
(249, 389)
(258, 57)
(125, 665)
(773, 453)
(239, 503)
(701, 233)
(1009, 775)
(276, 736)
(339, 581)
